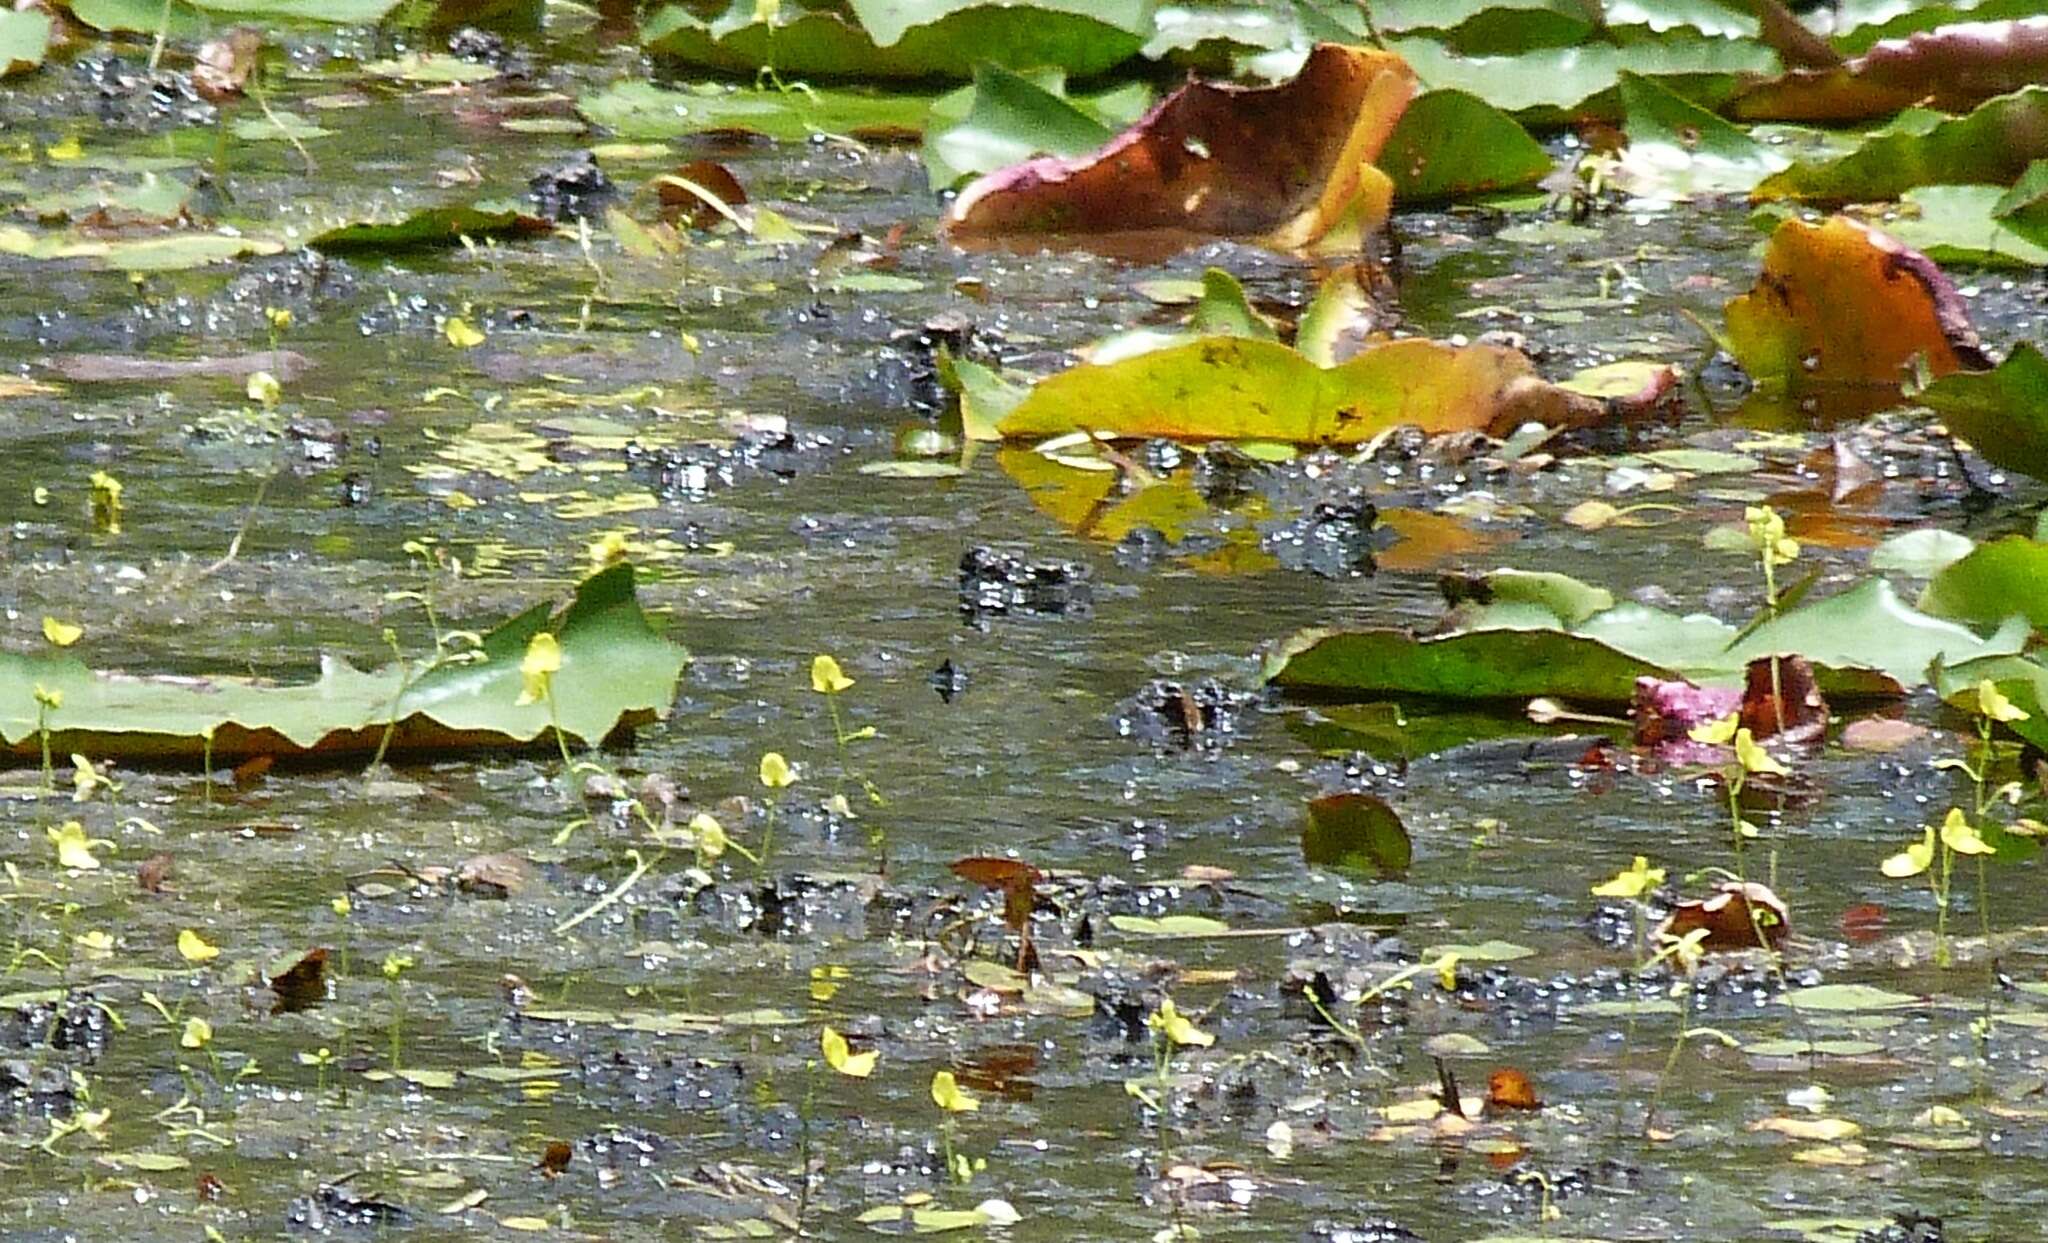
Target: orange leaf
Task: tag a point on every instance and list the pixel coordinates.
(1841, 303)
(1508, 1088)
(1727, 916)
(1288, 165)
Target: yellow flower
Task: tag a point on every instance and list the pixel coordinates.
(193, 948)
(460, 334)
(776, 772)
(74, 848)
(197, 1034)
(106, 502)
(948, 1095)
(1169, 1021)
(48, 698)
(1959, 836)
(608, 549)
(1991, 702)
(711, 838)
(64, 634)
(1447, 973)
(263, 389)
(827, 678)
(1715, 733)
(1911, 861)
(537, 670)
(844, 1060)
(1634, 881)
(1754, 759)
(1767, 536)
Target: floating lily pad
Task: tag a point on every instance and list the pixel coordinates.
(1864, 641)
(24, 38)
(1453, 143)
(1168, 925)
(1992, 145)
(1844, 998)
(615, 670)
(433, 226)
(1355, 832)
(2003, 413)
(642, 111)
(909, 39)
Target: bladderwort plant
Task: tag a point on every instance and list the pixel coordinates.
(831, 681)
(451, 647)
(395, 967)
(1973, 834)
(776, 776)
(1172, 1031)
(1774, 549)
(1751, 760)
(952, 1099)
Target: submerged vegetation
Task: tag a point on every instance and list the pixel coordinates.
(1411, 620)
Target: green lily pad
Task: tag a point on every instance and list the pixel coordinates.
(1353, 832)
(615, 671)
(642, 111)
(1865, 641)
(1483, 951)
(1452, 143)
(1924, 553)
(1994, 144)
(2001, 579)
(1809, 1048)
(1005, 118)
(1168, 925)
(1550, 84)
(278, 126)
(1679, 150)
(24, 39)
(2003, 412)
(905, 1219)
(905, 39)
(1959, 224)
(1845, 998)
(432, 226)
(434, 67)
(2024, 208)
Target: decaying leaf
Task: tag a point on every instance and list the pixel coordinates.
(222, 68)
(1289, 166)
(1736, 916)
(1791, 330)
(1016, 879)
(302, 985)
(554, 1159)
(1780, 699)
(1508, 1088)
(1953, 68)
(1355, 832)
(684, 194)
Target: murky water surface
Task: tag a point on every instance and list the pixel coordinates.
(717, 409)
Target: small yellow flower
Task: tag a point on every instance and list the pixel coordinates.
(776, 773)
(607, 549)
(1767, 536)
(341, 905)
(460, 334)
(1170, 1022)
(263, 389)
(537, 670)
(948, 1095)
(74, 848)
(106, 502)
(193, 948)
(198, 1034)
(64, 634)
(1991, 702)
(397, 964)
(1447, 973)
(843, 1059)
(827, 678)
(280, 317)
(48, 698)
(1715, 733)
(1911, 861)
(1633, 881)
(1958, 835)
(1754, 759)
(711, 838)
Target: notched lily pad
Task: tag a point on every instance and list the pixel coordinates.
(432, 226)
(615, 672)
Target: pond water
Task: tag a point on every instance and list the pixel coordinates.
(717, 408)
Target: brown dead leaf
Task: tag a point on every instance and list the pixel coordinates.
(680, 202)
(154, 873)
(1780, 699)
(1825, 1130)
(221, 70)
(302, 985)
(554, 1159)
(1288, 165)
(499, 875)
(1733, 916)
(1508, 1088)
(1881, 734)
(1953, 68)
(1791, 329)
